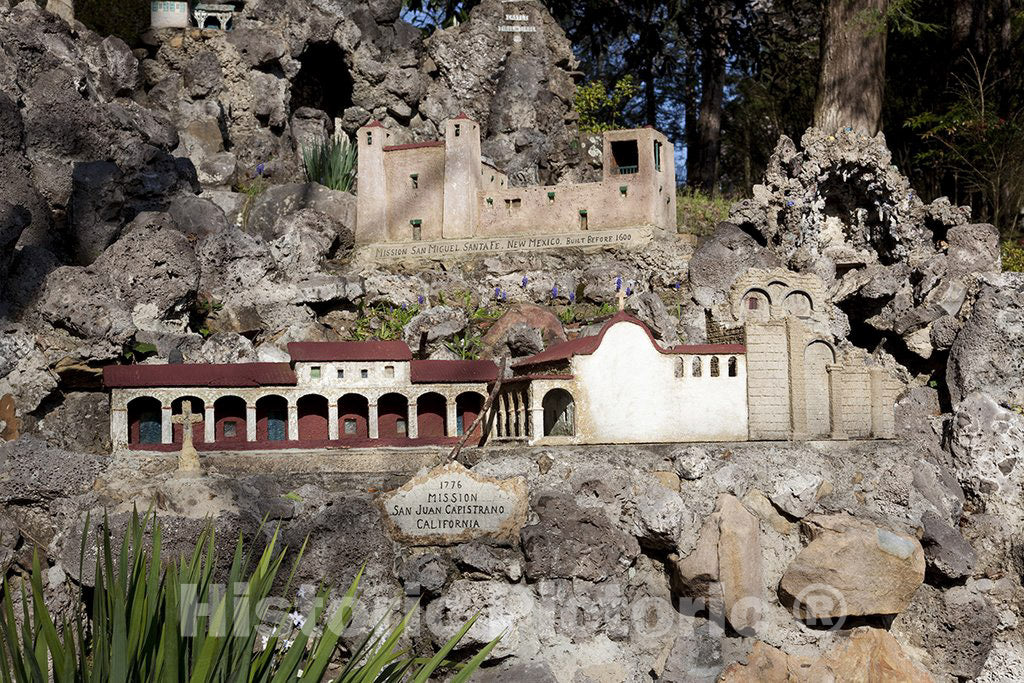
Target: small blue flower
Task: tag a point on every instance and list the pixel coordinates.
(260, 168)
(525, 280)
(554, 292)
(421, 299)
(618, 283)
(504, 296)
(790, 202)
(572, 297)
(629, 291)
(675, 286)
(497, 292)
(405, 307)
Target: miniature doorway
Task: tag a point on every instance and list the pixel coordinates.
(145, 424)
(312, 413)
(817, 357)
(559, 413)
(392, 417)
(468, 406)
(431, 410)
(229, 418)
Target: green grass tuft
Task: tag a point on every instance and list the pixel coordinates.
(698, 214)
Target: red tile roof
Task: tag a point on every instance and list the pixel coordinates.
(312, 352)
(462, 115)
(199, 375)
(452, 371)
(414, 145)
(375, 124)
(587, 345)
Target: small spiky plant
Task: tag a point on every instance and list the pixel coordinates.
(133, 630)
(331, 161)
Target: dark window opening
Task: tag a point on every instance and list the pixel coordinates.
(625, 157)
(732, 366)
(752, 304)
(714, 366)
(458, 130)
(513, 205)
(415, 178)
(696, 371)
(351, 427)
(657, 155)
(364, 373)
(583, 219)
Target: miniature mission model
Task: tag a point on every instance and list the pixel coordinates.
(443, 190)
(773, 375)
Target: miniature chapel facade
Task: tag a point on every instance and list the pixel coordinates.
(444, 189)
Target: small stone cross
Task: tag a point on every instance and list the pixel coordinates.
(622, 299)
(188, 459)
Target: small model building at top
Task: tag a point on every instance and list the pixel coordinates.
(176, 14)
(444, 189)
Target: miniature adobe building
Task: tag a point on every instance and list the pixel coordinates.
(331, 394)
(169, 14)
(444, 189)
(776, 376)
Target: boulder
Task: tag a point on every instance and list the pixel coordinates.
(987, 443)
(955, 628)
(796, 493)
(197, 216)
(572, 542)
(767, 664)
(988, 354)
(661, 519)
(429, 329)
(852, 568)
(80, 301)
(720, 259)
(278, 201)
(510, 330)
(725, 568)
(651, 310)
(946, 551)
(424, 573)
(97, 200)
(500, 608)
(740, 564)
(80, 423)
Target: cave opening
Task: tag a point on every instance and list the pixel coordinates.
(323, 81)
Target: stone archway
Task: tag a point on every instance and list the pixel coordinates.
(393, 416)
(353, 417)
(431, 411)
(272, 418)
(312, 413)
(145, 421)
(198, 408)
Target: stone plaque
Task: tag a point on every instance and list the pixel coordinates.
(443, 249)
(449, 504)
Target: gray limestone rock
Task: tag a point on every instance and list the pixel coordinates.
(945, 549)
(307, 238)
(197, 216)
(428, 330)
(500, 608)
(722, 258)
(570, 542)
(424, 573)
(988, 354)
(279, 201)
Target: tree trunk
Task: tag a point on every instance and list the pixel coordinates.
(703, 154)
(851, 82)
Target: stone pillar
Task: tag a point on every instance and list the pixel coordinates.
(119, 428)
(517, 402)
(412, 427)
(166, 426)
(250, 422)
(797, 380)
(835, 401)
(452, 420)
(537, 416)
(880, 427)
(293, 422)
(332, 420)
(209, 425)
(371, 422)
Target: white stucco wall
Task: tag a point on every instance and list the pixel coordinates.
(628, 391)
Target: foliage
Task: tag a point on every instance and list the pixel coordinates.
(568, 314)
(137, 351)
(1013, 255)
(137, 626)
(383, 321)
(698, 214)
(332, 162)
(987, 149)
(467, 345)
(126, 19)
(600, 110)
(202, 309)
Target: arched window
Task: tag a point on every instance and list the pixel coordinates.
(197, 405)
(145, 421)
(732, 366)
(272, 418)
(392, 416)
(714, 366)
(697, 368)
(559, 413)
(229, 419)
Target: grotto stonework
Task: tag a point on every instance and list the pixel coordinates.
(125, 239)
